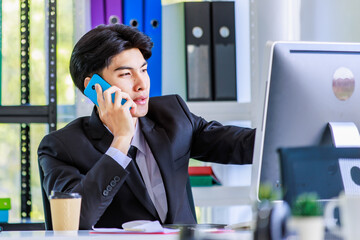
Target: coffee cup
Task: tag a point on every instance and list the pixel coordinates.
(349, 209)
(65, 211)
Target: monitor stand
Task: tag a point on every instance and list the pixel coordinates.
(344, 134)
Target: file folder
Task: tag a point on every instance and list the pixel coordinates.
(201, 176)
(200, 170)
(152, 27)
(5, 206)
(223, 49)
(173, 54)
(97, 10)
(198, 50)
(204, 181)
(133, 13)
(113, 11)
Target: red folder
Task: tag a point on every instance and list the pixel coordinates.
(200, 171)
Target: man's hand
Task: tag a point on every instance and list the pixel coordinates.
(117, 117)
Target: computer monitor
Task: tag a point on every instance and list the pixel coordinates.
(307, 85)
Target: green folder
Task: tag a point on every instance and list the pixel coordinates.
(203, 181)
(5, 203)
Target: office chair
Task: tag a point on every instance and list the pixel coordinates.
(318, 170)
(190, 198)
(46, 203)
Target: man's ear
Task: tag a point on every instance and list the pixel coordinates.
(86, 81)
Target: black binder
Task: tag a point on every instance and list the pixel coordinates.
(198, 50)
(223, 47)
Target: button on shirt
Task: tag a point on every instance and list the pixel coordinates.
(149, 170)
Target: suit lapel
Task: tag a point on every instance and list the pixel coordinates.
(102, 139)
(160, 147)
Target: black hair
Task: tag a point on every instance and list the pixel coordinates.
(94, 51)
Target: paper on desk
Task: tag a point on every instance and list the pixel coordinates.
(241, 226)
(138, 227)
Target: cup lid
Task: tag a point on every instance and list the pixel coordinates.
(55, 194)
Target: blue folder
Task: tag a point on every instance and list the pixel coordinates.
(133, 13)
(152, 27)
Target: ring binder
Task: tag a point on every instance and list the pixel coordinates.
(97, 10)
(198, 50)
(113, 11)
(223, 49)
(133, 13)
(152, 27)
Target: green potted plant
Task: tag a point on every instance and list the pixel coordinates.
(307, 217)
(267, 193)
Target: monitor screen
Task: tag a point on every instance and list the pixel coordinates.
(307, 85)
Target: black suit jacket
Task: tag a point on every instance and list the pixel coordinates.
(73, 160)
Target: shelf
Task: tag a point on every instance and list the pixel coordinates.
(22, 226)
(222, 111)
(221, 196)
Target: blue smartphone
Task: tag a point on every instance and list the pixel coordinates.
(90, 91)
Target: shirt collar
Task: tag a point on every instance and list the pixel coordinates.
(138, 140)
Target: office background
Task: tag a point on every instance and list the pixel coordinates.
(257, 21)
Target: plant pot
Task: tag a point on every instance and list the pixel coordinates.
(308, 228)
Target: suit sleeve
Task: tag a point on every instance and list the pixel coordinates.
(214, 142)
(97, 185)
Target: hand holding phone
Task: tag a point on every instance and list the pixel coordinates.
(120, 123)
(90, 91)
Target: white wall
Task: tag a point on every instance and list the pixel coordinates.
(330, 20)
(305, 20)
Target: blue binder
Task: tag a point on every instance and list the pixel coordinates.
(152, 27)
(133, 13)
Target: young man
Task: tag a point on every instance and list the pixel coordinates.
(89, 155)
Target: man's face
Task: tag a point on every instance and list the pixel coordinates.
(128, 71)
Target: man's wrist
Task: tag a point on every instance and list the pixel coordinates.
(118, 156)
(122, 143)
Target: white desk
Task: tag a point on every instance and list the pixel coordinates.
(84, 234)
